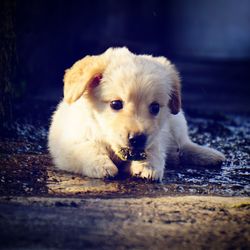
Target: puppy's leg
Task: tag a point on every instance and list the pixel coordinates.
(89, 159)
(189, 152)
(194, 154)
(152, 168)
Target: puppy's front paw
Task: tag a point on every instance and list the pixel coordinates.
(103, 168)
(144, 171)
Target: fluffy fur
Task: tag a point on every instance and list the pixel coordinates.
(85, 132)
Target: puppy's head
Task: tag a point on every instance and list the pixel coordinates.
(131, 96)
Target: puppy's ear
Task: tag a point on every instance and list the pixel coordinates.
(83, 76)
(175, 95)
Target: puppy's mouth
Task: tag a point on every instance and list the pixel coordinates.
(130, 154)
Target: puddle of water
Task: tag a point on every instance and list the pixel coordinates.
(26, 168)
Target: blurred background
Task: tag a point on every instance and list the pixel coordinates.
(209, 41)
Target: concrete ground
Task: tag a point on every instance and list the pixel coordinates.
(185, 222)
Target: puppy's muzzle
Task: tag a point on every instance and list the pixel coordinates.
(137, 141)
(136, 149)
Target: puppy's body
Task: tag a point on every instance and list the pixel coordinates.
(121, 100)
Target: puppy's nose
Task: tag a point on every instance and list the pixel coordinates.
(137, 140)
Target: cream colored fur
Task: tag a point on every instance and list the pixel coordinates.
(85, 132)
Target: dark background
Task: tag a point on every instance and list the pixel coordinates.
(209, 41)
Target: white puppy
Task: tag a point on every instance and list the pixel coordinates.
(122, 112)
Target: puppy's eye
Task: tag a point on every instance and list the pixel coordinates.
(154, 108)
(116, 104)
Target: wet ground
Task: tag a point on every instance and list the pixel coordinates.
(26, 167)
(193, 208)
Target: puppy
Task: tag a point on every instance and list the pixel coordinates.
(122, 112)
